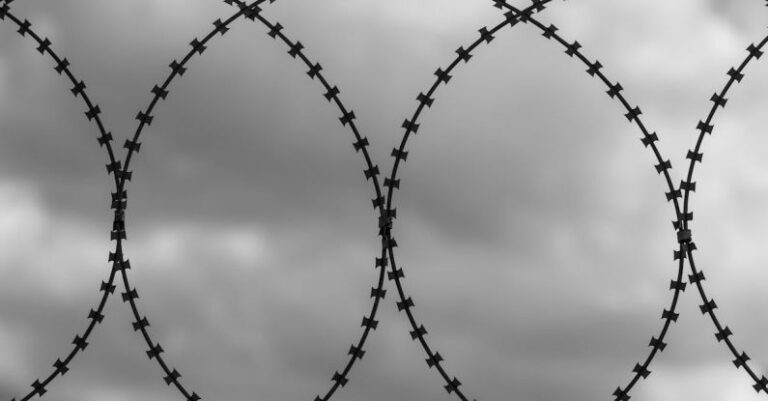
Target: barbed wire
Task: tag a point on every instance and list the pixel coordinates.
(383, 204)
(719, 100)
(253, 12)
(649, 140)
(63, 68)
(119, 198)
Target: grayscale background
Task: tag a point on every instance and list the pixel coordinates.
(533, 229)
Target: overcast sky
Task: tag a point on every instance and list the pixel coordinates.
(533, 229)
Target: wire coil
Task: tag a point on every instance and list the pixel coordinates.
(383, 201)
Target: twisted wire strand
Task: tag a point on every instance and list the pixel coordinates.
(360, 145)
(406, 304)
(63, 67)
(719, 100)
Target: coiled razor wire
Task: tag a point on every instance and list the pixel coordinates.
(387, 214)
(62, 67)
(512, 17)
(724, 333)
(122, 173)
(361, 143)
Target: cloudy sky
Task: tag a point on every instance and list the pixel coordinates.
(532, 227)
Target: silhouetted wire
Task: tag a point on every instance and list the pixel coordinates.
(724, 333)
(121, 173)
(62, 67)
(411, 126)
(119, 198)
(145, 118)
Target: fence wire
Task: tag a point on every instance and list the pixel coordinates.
(383, 203)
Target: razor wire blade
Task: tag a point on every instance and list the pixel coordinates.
(383, 201)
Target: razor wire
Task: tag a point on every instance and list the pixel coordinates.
(92, 113)
(719, 100)
(384, 204)
(119, 198)
(649, 139)
(276, 31)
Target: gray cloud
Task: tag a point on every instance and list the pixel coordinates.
(533, 228)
